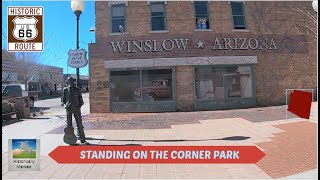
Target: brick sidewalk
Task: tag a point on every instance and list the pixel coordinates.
(122, 121)
(290, 145)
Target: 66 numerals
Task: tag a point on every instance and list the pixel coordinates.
(25, 33)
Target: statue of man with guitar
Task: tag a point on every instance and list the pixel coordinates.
(72, 100)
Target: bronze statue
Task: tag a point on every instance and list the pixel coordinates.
(72, 100)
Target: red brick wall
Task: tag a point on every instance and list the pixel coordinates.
(273, 73)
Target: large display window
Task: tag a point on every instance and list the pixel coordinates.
(142, 90)
(141, 85)
(223, 82)
(224, 87)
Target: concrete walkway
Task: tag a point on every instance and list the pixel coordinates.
(290, 144)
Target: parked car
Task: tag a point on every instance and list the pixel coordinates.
(12, 91)
(159, 90)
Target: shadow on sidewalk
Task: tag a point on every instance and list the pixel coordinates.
(38, 109)
(12, 121)
(231, 138)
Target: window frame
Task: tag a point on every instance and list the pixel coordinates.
(112, 18)
(243, 15)
(208, 15)
(164, 15)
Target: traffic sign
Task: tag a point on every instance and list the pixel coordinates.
(77, 58)
(25, 29)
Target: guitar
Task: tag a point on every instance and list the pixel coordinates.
(69, 136)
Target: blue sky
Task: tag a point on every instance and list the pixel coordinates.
(59, 30)
(16, 143)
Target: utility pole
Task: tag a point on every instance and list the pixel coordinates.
(25, 71)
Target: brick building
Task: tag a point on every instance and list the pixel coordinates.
(197, 55)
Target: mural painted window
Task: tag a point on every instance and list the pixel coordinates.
(238, 15)
(156, 85)
(158, 16)
(223, 82)
(202, 14)
(118, 18)
(141, 85)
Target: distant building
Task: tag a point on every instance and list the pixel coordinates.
(45, 77)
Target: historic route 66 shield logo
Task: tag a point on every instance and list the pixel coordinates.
(25, 28)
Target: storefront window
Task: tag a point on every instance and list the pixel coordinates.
(141, 85)
(123, 85)
(223, 82)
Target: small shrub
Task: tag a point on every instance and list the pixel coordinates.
(7, 107)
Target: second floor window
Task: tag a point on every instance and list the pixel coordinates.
(202, 15)
(158, 17)
(118, 18)
(238, 15)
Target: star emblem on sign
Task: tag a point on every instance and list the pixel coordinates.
(200, 44)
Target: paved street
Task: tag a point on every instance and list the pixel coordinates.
(290, 144)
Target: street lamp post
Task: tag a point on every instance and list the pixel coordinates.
(77, 7)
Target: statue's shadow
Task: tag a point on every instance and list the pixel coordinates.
(230, 138)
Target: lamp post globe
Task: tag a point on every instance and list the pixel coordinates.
(315, 6)
(77, 5)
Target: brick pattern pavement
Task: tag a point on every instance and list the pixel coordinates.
(290, 147)
(127, 121)
(292, 151)
(51, 170)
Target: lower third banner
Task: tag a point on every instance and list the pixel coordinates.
(156, 154)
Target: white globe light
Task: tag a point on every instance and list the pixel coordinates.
(77, 5)
(315, 6)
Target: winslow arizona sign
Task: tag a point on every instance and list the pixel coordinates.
(132, 46)
(198, 45)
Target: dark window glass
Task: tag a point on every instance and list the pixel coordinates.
(13, 90)
(202, 15)
(236, 8)
(118, 18)
(238, 21)
(157, 16)
(238, 15)
(158, 23)
(116, 23)
(201, 8)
